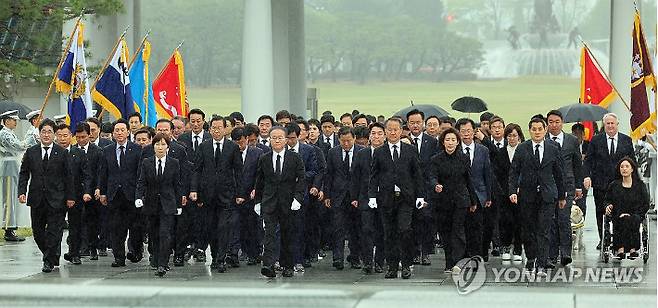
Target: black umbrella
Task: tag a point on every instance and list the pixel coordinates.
(9, 105)
(582, 112)
(427, 109)
(469, 104)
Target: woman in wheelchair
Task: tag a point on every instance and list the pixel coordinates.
(628, 203)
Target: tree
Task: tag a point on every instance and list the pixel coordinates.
(31, 37)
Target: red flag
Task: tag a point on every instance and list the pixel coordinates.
(643, 119)
(169, 89)
(594, 87)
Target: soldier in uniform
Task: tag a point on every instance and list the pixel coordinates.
(32, 134)
(11, 150)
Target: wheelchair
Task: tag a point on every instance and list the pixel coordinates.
(607, 236)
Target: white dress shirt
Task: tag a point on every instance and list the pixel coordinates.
(510, 152)
(43, 151)
(541, 150)
(350, 153)
(216, 143)
(261, 139)
(419, 143)
(390, 147)
(118, 151)
(164, 162)
(615, 138)
(274, 155)
(471, 150)
(559, 138)
(198, 137)
(498, 143)
(330, 139)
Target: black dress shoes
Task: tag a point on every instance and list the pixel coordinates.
(339, 265)
(367, 269)
(221, 267)
(93, 254)
(391, 274)
(425, 261)
(268, 271)
(76, 260)
(406, 272)
(67, 257)
(178, 261)
(10, 236)
(47, 267)
(566, 261)
(119, 263)
(378, 268)
(251, 261)
(287, 272)
(161, 271)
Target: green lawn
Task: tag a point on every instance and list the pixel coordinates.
(515, 99)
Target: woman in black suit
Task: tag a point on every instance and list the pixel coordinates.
(627, 202)
(159, 191)
(450, 178)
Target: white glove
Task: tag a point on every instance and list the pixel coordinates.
(372, 203)
(179, 211)
(295, 205)
(257, 208)
(421, 201)
(139, 203)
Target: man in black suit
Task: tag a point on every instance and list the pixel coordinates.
(315, 233)
(216, 186)
(603, 154)
(328, 139)
(560, 229)
(82, 186)
(307, 153)
(117, 178)
(183, 222)
(247, 224)
(191, 140)
(328, 136)
(46, 167)
(423, 224)
(481, 177)
(265, 123)
(396, 187)
(91, 210)
(536, 184)
(372, 232)
(345, 215)
(104, 232)
(279, 190)
(160, 192)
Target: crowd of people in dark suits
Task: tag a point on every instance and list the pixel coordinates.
(285, 192)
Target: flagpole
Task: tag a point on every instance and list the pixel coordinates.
(172, 53)
(59, 66)
(106, 64)
(606, 75)
(141, 46)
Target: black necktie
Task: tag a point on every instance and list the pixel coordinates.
(122, 156)
(160, 167)
(264, 141)
(498, 145)
(612, 146)
(537, 154)
(45, 157)
(292, 150)
(196, 142)
(346, 162)
(328, 142)
(396, 154)
(277, 171)
(218, 151)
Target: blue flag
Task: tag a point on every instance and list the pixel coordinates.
(72, 80)
(112, 91)
(140, 86)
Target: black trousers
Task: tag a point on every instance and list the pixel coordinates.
(105, 227)
(626, 233)
(161, 228)
(537, 216)
(346, 226)
(474, 231)
(560, 230)
(183, 230)
(490, 225)
(75, 229)
(138, 229)
(91, 220)
(47, 228)
(312, 228)
(372, 237)
(217, 230)
(396, 212)
(599, 202)
(280, 216)
(451, 224)
(123, 218)
(422, 222)
(251, 232)
(511, 225)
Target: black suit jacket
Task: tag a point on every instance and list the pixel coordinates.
(54, 184)
(274, 191)
(499, 166)
(526, 174)
(94, 154)
(573, 162)
(405, 173)
(179, 152)
(102, 142)
(222, 181)
(599, 165)
(160, 193)
(80, 171)
(249, 168)
(338, 184)
(113, 178)
(361, 177)
(429, 148)
(186, 140)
